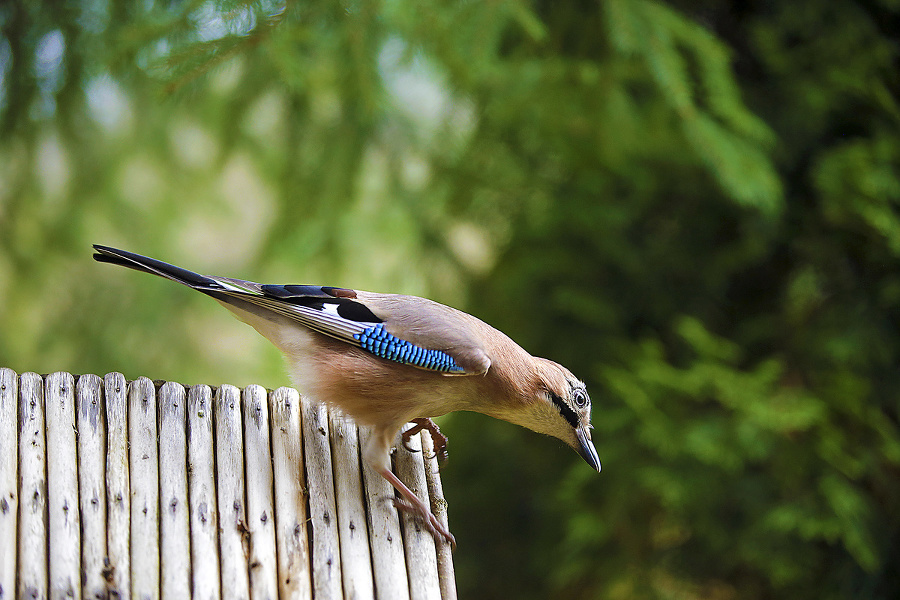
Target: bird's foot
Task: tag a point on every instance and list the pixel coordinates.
(413, 504)
(439, 439)
(431, 522)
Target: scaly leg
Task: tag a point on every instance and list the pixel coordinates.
(413, 504)
(440, 440)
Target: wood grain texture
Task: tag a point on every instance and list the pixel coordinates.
(353, 529)
(325, 546)
(233, 532)
(33, 531)
(9, 474)
(385, 537)
(175, 543)
(117, 570)
(144, 490)
(91, 423)
(260, 494)
(144, 463)
(204, 517)
(446, 574)
(295, 577)
(62, 496)
(418, 542)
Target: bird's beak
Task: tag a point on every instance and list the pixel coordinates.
(586, 447)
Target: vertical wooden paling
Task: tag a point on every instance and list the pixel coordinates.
(204, 517)
(32, 556)
(233, 532)
(110, 490)
(260, 489)
(294, 577)
(175, 544)
(91, 424)
(446, 575)
(325, 547)
(144, 461)
(9, 473)
(353, 530)
(385, 537)
(418, 542)
(62, 496)
(117, 571)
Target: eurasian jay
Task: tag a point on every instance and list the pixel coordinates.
(387, 360)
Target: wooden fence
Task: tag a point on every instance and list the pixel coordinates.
(115, 489)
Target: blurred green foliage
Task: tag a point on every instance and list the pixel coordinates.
(693, 205)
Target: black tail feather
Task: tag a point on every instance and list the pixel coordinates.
(146, 264)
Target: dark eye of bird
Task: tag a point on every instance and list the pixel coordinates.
(580, 397)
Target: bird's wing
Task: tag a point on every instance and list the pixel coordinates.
(403, 329)
(343, 314)
(428, 324)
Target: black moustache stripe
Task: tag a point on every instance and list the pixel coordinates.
(565, 410)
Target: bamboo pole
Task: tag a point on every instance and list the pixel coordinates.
(91, 424)
(294, 582)
(202, 490)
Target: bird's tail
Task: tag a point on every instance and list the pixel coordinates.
(146, 264)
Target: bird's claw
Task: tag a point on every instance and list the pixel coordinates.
(428, 519)
(439, 439)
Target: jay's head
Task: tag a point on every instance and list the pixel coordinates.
(559, 405)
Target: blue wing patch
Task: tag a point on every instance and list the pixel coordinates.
(381, 343)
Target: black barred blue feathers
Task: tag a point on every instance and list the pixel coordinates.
(381, 343)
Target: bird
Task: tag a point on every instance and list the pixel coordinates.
(389, 359)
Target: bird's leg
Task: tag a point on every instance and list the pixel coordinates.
(412, 503)
(440, 440)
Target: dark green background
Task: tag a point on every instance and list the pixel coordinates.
(695, 206)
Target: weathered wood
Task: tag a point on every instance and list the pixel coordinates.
(144, 461)
(385, 538)
(91, 424)
(446, 575)
(32, 556)
(418, 542)
(202, 488)
(214, 506)
(326, 555)
(294, 579)
(9, 473)
(233, 532)
(117, 571)
(260, 490)
(175, 545)
(62, 496)
(353, 532)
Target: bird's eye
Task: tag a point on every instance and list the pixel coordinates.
(580, 397)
